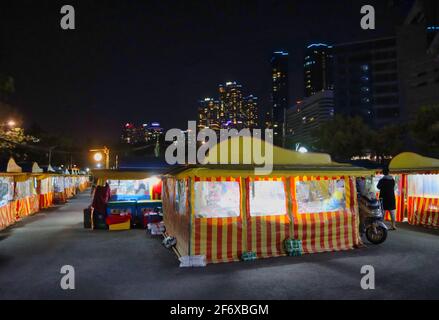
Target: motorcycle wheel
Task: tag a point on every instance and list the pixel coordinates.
(377, 237)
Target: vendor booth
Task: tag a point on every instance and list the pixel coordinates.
(46, 190)
(421, 178)
(69, 185)
(400, 194)
(35, 172)
(82, 182)
(226, 212)
(25, 195)
(134, 196)
(59, 188)
(7, 211)
(21, 194)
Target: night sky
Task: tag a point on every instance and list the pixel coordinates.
(153, 60)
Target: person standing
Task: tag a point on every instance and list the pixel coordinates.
(387, 192)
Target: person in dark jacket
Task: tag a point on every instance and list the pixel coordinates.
(387, 192)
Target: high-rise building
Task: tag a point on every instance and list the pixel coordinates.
(425, 13)
(152, 132)
(209, 114)
(366, 81)
(232, 105)
(231, 111)
(318, 69)
(131, 134)
(280, 94)
(142, 134)
(251, 112)
(418, 57)
(306, 116)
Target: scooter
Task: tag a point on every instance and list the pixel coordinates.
(372, 219)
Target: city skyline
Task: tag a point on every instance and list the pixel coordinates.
(142, 89)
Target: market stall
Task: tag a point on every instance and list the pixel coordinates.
(69, 185)
(133, 194)
(25, 195)
(224, 212)
(82, 182)
(421, 178)
(46, 190)
(59, 189)
(7, 211)
(25, 200)
(400, 194)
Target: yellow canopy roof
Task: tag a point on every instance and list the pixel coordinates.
(236, 148)
(236, 172)
(103, 175)
(409, 161)
(285, 162)
(17, 176)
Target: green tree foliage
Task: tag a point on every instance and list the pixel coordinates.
(346, 137)
(10, 137)
(387, 141)
(425, 129)
(343, 137)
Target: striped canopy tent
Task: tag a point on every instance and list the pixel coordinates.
(45, 188)
(23, 199)
(420, 176)
(8, 170)
(221, 211)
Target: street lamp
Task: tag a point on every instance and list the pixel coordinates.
(98, 156)
(11, 123)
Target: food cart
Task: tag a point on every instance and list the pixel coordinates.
(133, 193)
(223, 211)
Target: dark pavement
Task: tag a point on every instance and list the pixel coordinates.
(132, 265)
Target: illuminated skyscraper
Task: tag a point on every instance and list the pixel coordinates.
(231, 111)
(308, 115)
(318, 69)
(232, 105)
(251, 112)
(141, 135)
(280, 94)
(209, 114)
(131, 134)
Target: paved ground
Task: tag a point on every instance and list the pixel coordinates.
(131, 265)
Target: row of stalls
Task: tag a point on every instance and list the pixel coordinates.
(26, 189)
(224, 212)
